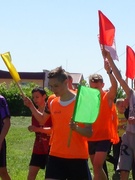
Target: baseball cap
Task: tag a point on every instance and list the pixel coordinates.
(96, 78)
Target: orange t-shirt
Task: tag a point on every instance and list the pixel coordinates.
(50, 98)
(103, 127)
(115, 122)
(61, 116)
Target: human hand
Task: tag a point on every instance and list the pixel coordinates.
(106, 54)
(107, 66)
(32, 128)
(27, 102)
(73, 125)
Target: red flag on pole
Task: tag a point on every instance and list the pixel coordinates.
(112, 50)
(106, 30)
(130, 63)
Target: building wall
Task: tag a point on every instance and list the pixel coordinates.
(36, 81)
(7, 81)
(24, 81)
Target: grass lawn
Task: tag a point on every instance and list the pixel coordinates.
(19, 148)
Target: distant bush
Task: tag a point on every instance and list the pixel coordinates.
(14, 99)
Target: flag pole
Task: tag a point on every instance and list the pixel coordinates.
(132, 83)
(20, 89)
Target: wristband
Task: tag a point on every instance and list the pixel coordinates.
(110, 72)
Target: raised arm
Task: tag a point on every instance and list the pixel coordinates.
(116, 72)
(113, 89)
(40, 117)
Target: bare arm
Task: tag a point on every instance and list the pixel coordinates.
(113, 89)
(116, 72)
(84, 131)
(5, 129)
(40, 117)
(46, 130)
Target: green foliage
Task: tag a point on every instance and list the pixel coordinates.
(48, 91)
(84, 83)
(15, 101)
(14, 98)
(120, 93)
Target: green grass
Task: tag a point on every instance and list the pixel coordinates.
(19, 148)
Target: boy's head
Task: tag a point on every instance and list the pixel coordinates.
(58, 73)
(120, 104)
(96, 81)
(58, 81)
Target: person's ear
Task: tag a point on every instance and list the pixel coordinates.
(103, 84)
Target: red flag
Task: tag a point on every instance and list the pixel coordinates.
(130, 63)
(106, 30)
(112, 50)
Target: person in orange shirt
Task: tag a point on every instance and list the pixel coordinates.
(103, 127)
(65, 162)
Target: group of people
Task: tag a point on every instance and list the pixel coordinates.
(52, 123)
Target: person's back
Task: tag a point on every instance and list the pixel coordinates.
(4, 128)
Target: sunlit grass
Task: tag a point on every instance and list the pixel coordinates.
(19, 148)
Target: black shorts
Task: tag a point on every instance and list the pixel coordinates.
(39, 160)
(98, 146)
(3, 155)
(67, 169)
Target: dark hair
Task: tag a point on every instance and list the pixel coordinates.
(40, 90)
(58, 73)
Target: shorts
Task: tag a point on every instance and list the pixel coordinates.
(3, 155)
(67, 169)
(127, 152)
(39, 160)
(98, 146)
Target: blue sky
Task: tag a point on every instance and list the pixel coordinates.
(44, 34)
